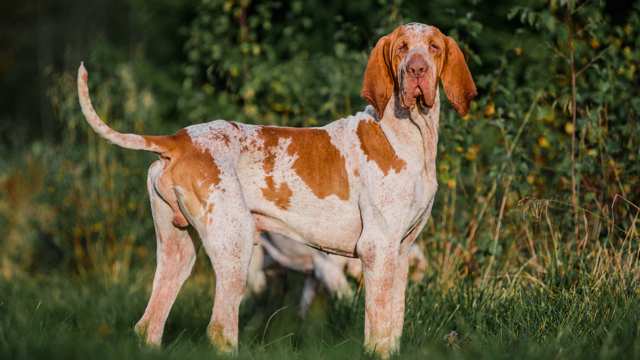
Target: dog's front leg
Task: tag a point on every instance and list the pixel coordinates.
(406, 252)
(398, 294)
(379, 255)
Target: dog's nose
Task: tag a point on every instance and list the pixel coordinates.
(417, 66)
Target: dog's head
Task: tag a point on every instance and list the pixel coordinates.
(409, 61)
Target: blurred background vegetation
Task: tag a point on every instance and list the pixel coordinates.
(539, 184)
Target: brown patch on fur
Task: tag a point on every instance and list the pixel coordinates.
(279, 195)
(187, 166)
(318, 162)
(377, 148)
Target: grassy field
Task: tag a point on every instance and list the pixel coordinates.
(60, 317)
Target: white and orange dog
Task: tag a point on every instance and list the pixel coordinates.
(362, 186)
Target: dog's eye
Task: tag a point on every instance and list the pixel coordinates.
(434, 47)
(403, 47)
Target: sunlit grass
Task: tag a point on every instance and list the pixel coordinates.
(92, 317)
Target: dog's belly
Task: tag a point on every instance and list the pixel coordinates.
(334, 228)
(330, 224)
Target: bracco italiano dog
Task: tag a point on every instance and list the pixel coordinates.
(362, 186)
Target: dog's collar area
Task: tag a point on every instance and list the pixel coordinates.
(371, 111)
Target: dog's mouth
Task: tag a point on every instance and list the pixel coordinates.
(412, 95)
(416, 90)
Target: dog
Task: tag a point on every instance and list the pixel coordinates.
(362, 186)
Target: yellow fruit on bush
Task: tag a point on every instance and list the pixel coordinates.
(250, 110)
(490, 109)
(543, 142)
(628, 29)
(472, 152)
(631, 72)
(569, 128)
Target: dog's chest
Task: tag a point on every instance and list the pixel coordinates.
(405, 193)
(403, 200)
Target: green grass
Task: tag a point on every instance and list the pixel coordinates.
(91, 318)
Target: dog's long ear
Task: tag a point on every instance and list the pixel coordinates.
(377, 86)
(456, 78)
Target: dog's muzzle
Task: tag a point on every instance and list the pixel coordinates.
(417, 80)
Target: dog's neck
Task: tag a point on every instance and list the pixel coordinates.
(426, 120)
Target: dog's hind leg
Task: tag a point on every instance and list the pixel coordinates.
(175, 258)
(308, 294)
(331, 275)
(228, 241)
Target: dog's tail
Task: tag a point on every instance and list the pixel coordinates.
(157, 144)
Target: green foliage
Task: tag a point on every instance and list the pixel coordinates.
(273, 62)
